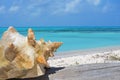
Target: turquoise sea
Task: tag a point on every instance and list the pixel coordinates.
(75, 37)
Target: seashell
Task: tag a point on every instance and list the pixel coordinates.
(24, 57)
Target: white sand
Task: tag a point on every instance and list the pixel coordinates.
(106, 55)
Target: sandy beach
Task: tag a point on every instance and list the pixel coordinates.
(89, 56)
(91, 64)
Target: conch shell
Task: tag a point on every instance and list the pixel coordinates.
(24, 57)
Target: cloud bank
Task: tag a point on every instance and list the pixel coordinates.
(53, 7)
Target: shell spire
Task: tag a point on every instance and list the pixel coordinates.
(31, 37)
(11, 29)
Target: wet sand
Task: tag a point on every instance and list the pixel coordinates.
(93, 64)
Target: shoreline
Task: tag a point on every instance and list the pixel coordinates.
(85, 51)
(89, 56)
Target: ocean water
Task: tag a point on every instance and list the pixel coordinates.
(76, 38)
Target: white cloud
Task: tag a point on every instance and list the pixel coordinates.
(105, 9)
(55, 7)
(94, 2)
(2, 9)
(77, 6)
(71, 6)
(66, 7)
(14, 8)
(35, 8)
(37, 12)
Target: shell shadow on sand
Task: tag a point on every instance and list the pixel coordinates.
(49, 71)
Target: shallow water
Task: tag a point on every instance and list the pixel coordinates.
(76, 38)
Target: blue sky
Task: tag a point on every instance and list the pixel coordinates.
(60, 12)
